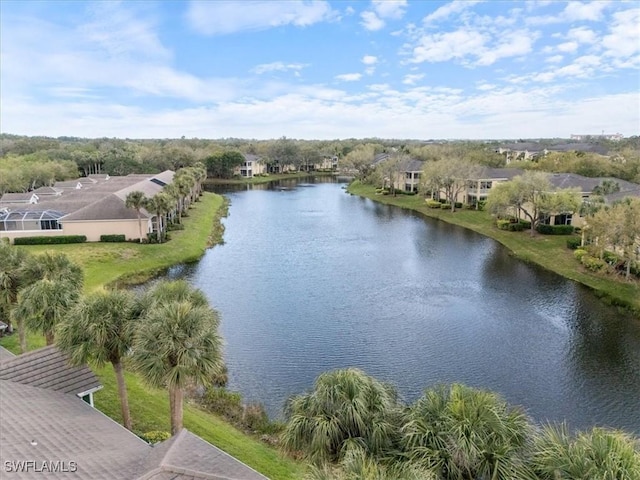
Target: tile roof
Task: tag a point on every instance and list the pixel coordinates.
(16, 197)
(5, 354)
(49, 368)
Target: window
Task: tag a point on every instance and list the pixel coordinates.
(563, 219)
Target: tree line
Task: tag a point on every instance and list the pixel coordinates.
(168, 333)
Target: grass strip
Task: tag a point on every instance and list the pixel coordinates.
(548, 251)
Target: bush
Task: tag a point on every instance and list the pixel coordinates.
(113, 238)
(50, 240)
(554, 229)
(579, 253)
(175, 226)
(509, 225)
(225, 403)
(155, 436)
(445, 206)
(458, 204)
(574, 243)
(592, 263)
(433, 203)
(610, 257)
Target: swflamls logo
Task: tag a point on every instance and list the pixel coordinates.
(43, 466)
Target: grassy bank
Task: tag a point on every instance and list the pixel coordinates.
(548, 251)
(131, 263)
(125, 263)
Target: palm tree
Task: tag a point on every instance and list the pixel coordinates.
(345, 408)
(53, 285)
(160, 204)
(100, 328)
(466, 434)
(599, 453)
(12, 278)
(136, 200)
(45, 303)
(177, 343)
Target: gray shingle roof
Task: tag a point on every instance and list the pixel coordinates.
(587, 184)
(188, 456)
(16, 197)
(66, 429)
(5, 354)
(111, 207)
(49, 368)
(489, 173)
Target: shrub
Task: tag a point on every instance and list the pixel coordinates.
(554, 229)
(113, 238)
(225, 403)
(458, 204)
(610, 257)
(579, 253)
(503, 224)
(50, 240)
(155, 436)
(592, 263)
(574, 243)
(175, 226)
(445, 206)
(526, 224)
(433, 203)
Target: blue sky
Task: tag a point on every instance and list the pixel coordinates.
(320, 69)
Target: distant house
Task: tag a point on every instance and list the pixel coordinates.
(47, 430)
(409, 180)
(252, 166)
(93, 207)
(30, 198)
(523, 151)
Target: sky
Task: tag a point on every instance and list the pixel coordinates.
(315, 69)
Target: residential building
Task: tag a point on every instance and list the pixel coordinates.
(49, 432)
(91, 206)
(252, 166)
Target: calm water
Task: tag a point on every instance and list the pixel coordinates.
(311, 278)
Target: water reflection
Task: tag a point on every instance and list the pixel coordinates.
(311, 279)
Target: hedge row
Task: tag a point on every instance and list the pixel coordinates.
(50, 240)
(555, 229)
(113, 238)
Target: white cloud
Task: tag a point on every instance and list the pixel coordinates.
(554, 59)
(349, 77)
(567, 47)
(224, 17)
(575, 11)
(393, 9)
(440, 47)
(369, 60)
(278, 67)
(622, 39)
(582, 35)
(412, 78)
(444, 12)
(371, 21)
(512, 44)
(486, 87)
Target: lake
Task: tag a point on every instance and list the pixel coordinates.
(311, 278)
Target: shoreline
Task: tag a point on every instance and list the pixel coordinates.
(547, 251)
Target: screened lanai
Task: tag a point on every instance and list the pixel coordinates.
(30, 220)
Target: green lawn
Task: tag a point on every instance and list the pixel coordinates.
(548, 251)
(123, 263)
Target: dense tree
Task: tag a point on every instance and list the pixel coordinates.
(531, 195)
(284, 152)
(463, 433)
(53, 285)
(361, 159)
(345, 407)
(160, 204)
(449, 175)
(100, 328)
(12, 279)
(177, 342)
(597, 454)
(221, 165)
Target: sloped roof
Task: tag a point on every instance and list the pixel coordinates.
(186, 455)
(5, 354)
(44, 425)
(16, 197)
(49, 368)
(47, 191)
(587, 184)
(111, 207)
(498, 173)
(413, 165)
(381, 157)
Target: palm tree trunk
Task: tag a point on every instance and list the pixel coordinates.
(139, 227)
(122, 393)
(175, 401)
(49, 337)
(22, 335)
